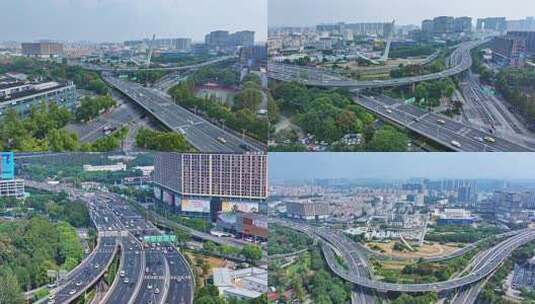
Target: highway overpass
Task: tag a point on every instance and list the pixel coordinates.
(202, 134)
(343, 247)
(99, 68)
(460, 59)
(439, 128)
(117, 223)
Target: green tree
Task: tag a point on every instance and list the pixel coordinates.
(388, 139)
(10, 291)
(252, 252)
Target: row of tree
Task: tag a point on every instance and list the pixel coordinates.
(31, 247)
(210, 295)
(91, 108)
(282, 240)
(242, 119)
(43, 130)
(309, 278)
(515, 84)
(329, 115)
(45, 70)
(161, 141)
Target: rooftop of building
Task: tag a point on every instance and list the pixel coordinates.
(36, 88)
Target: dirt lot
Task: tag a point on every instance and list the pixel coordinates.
(212, 262)
(424, 251)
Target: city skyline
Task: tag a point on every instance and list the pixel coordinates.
(306, 166)
(121, 20)
(311, 13)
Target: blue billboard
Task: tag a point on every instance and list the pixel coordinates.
(7, 165)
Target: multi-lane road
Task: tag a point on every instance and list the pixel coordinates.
(132, 261)
(147, 274)
(460, 58)
(202, 134)
(99, 68)
(339, 245)
(450, 133)
(163, 275)
(457, 136)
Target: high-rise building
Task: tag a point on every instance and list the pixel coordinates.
(242, 38)
(225, 39)
(183, 44)
(9, 185)
(42, 49)
(466, 196)
(463, 24)
(427, 26)
(527, 24)
(492, 23)
(528, 36)
(413, 187)
(217, 39)
(443, 25)
(509, 207)
(202, 184)
(509, 48)
(253, 56)
(307, 210)
(382, 29)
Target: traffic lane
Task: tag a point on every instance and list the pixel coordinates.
(286, 73)
(181, 287)
(233, 143)
(500, 144)
(447, 136)
(131, 265)
(179, 117)
(500, 252)
(84, 276)
(153, 278)
(438, 126)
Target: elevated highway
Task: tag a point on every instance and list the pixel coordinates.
(162, 268)
(439, 128)
(461, 61)
(202, 134)
(336, 244)
(99, 68)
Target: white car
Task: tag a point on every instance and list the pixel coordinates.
(455, 143)
(490, 139)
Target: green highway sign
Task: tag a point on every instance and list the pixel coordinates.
(164, 238)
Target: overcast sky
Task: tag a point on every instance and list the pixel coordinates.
(302, 166)
(312, 12)
(118, 20)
